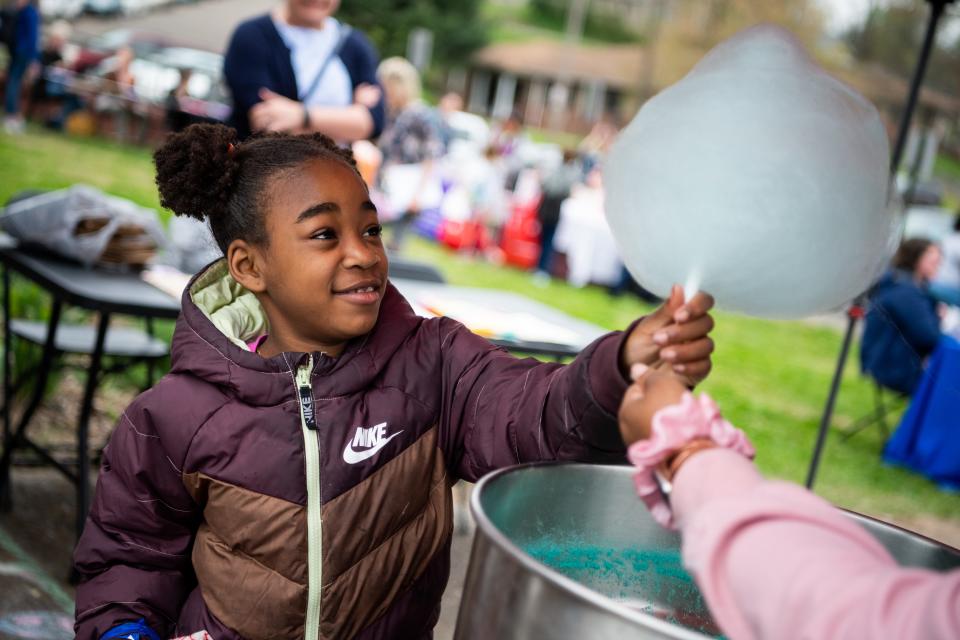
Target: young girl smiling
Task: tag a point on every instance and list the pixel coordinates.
(290, 477)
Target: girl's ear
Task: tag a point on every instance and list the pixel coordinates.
(246, 265)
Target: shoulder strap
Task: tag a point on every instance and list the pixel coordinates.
(341, 40)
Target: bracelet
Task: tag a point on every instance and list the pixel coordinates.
(306, 117)
(694, 446)
(676, 433)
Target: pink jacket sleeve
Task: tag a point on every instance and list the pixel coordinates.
(775, 561)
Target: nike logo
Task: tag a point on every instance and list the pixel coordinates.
(372, 440)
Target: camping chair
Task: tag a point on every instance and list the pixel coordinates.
(885, 402)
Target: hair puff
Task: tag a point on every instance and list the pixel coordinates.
(197, 170)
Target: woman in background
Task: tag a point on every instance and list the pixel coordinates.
(411, 144)
(903, 325)
(298, 69)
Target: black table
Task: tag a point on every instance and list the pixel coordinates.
(107, 293)
(111, 293)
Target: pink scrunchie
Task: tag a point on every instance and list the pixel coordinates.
(672, 428)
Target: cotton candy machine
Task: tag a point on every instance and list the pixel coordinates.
(568, 551)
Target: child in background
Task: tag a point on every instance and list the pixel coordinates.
(771, 559)
(290, 477)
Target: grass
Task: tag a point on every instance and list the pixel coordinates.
(43, 161)
(770, 377)
(519, 21)
(946, 167)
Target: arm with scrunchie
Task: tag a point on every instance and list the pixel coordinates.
(771, 559)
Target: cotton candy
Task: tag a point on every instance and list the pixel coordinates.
(758, 178)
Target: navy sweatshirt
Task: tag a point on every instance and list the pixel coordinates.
(902, 329)
(257, 57)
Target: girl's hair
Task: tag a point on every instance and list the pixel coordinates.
(402, 77)
(206, 172)
(909, 254)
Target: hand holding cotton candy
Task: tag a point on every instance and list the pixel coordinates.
(758, 178)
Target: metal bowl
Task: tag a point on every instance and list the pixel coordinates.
(568, 551)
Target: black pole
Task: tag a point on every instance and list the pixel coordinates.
(856, 309)
(936, 12)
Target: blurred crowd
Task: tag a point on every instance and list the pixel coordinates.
(124, 84)
(480, 187)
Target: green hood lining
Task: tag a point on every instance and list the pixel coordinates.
(232, 309)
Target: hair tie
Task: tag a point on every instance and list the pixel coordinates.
(230, 148)
(672, 428)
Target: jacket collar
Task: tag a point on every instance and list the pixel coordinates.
(219, 317)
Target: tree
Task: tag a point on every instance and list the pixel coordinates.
(892, 35)
(457, 26)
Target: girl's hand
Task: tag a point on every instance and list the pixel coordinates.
(651, 391)
(276, 113)
(674, 338)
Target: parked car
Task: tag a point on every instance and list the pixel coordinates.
(123, 7)
(61, 9)
(158, 72)
(104, 7)
(98, 48)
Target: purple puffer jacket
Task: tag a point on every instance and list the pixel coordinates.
(308, 496)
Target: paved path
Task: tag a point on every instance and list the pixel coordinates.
(206, 24)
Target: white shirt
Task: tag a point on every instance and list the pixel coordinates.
(309, 49)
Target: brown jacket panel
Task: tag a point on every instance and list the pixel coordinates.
(271, 531)
(360, 520)
(363, 592)
(253, 600)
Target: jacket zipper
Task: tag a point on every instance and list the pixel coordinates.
(311, 441)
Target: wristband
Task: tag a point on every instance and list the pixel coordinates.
(674, 463)
(672, 430)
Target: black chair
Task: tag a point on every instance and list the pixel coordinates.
(124, 346)
(404, 269)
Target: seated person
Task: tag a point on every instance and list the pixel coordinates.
(902, 325)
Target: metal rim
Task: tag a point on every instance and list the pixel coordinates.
(557, 579)
(856, 515)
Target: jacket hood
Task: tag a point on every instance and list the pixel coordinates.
(219, 317)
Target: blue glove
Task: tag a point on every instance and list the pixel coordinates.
(131, 631)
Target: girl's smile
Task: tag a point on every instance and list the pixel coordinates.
(363, 292)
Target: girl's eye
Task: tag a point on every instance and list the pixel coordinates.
(324, 234)
(375, 231)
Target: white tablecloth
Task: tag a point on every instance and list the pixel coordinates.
(583, 235)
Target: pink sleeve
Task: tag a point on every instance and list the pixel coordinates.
(775, 561)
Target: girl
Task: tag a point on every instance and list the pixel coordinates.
(290, 477)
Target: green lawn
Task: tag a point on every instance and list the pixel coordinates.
(770, 377)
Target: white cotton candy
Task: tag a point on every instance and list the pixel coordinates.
(757, 178)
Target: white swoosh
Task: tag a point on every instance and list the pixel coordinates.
(353, 457)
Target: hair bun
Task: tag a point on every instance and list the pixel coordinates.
(197, 169)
